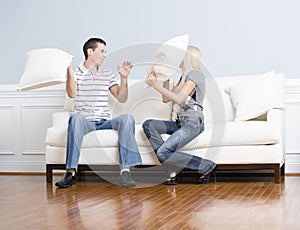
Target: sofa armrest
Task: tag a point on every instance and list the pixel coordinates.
(275, 120)
(60, 120)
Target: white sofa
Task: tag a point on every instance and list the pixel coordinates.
(233, 144)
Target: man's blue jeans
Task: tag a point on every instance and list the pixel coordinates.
(182, 132)
(124, 124)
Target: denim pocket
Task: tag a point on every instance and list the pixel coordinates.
(193, 122)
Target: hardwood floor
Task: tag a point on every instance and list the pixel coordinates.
(28, 202)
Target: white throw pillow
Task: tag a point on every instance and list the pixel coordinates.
(254, 96)
(168, 57)
(44, 67)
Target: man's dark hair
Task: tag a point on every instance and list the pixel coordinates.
(91, 44)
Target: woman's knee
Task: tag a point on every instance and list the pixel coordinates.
(146, 124)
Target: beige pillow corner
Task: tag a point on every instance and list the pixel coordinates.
(254, 96)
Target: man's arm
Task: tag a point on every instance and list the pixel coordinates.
(71, 86)
(121, 91)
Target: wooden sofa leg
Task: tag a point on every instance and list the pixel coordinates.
(282, 172)
(277, 173)
(49, 173)
(78, 175)
(282, 169)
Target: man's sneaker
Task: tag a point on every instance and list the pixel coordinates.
(126, 179)
(66, 181)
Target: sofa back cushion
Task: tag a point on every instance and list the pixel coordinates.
(142, 103)
(145, 103)
(218, 103)
(217, 106)
(254, 96)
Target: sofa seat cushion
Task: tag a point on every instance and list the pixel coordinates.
(101, 138)
(234, 134)
(215, 134)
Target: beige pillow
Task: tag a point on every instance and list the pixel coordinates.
(44, 67)
(168, 57)
(255, 96)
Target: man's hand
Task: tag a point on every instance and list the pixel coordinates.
(71, 86)
(125, 69)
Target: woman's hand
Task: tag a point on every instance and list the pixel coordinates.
(151, 79)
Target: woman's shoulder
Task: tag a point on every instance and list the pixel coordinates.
(195, 75)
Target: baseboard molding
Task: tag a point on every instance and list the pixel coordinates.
(26, 167)
(292, 167)
(29, 173)
(292, 174)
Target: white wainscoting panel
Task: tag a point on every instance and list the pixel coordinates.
(24, 119)
(34, 123)
(7, 144)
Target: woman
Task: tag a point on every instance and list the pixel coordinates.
(188, 94)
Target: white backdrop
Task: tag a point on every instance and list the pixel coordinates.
(236, 37)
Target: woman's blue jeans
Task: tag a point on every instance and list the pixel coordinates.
(124, 124)
(182, 132)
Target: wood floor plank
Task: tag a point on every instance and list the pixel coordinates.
(28, 202)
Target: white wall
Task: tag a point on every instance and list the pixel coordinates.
(236, 37)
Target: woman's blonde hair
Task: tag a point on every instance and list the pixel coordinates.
(191, 61)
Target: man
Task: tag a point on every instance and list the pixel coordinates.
(88, 84)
